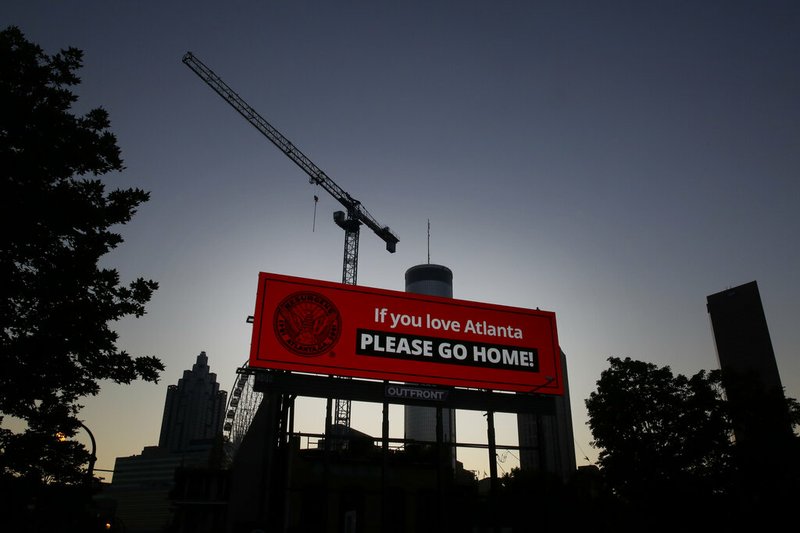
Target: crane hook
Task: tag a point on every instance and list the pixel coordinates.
(314, 221)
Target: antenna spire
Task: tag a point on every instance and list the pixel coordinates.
(429, 241)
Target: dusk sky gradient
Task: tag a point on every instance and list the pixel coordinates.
(612, 161)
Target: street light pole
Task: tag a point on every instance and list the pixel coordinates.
(92, 457)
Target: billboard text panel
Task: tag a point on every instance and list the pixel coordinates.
(353, 331)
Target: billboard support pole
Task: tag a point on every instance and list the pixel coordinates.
(384, 461)
(327, 450)
(492, 468)
(440, 471)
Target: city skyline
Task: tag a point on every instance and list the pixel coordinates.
(614, 163)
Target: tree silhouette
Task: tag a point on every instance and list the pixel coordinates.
(667, 448)
(57, 221)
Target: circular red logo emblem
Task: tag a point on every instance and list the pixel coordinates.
(307, 324)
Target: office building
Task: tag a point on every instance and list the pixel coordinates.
(194, 408)
(546, 440)
(749, 370)
(420, 422)
(191, 427)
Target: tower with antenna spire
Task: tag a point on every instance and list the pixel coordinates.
(420, 422)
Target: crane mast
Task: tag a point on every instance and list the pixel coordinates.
(350, 220)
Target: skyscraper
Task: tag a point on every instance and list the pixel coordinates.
(747, 360)
(194, 408)
(193, 417)
(766, 447)
(547, 440)
(420, 422)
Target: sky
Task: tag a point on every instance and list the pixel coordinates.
(614, 162)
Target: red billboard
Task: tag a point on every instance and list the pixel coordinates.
(320, 327)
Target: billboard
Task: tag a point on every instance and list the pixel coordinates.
(321, 327)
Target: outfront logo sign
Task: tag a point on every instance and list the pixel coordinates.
(321, 327)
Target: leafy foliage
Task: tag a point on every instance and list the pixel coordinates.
(660, 435)
(666, 443)
(57, 220)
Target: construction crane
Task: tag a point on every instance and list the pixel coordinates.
(350, 220)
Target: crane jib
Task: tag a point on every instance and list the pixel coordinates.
(356, 213)
(316, 175)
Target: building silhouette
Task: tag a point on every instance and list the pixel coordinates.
(546, 441)
(194, 408)
(747, 361)
(420, 421)
(766, 449)
(191, 429)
